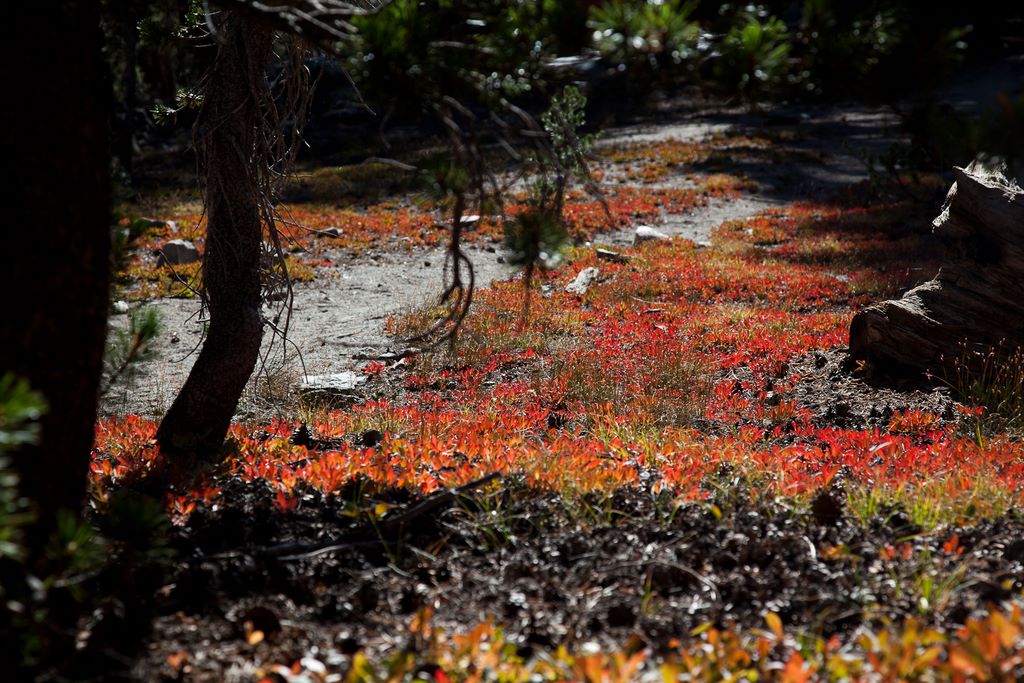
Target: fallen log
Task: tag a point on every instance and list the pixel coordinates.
(975, 305)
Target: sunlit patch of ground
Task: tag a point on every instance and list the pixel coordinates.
(327, 214)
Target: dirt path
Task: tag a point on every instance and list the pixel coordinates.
(338, 319)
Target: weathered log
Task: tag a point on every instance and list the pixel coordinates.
(975, 304)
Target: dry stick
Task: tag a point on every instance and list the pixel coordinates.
(291, 552)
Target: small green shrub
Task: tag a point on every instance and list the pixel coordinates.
(20, 408)
(887, 51)
(537, 236)
(648, 39)
(562, 25)
(845, 45)
(44, 593)
(410, 54)
(754, 56)
(126, 347)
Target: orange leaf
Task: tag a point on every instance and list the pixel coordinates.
(774, 624)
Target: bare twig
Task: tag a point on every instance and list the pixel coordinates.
(318, 21)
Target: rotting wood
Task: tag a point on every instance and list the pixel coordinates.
(973, 305)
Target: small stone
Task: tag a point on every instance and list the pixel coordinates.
(609, 255)
(336, 384)
(119, 307)
(313, 666)
(583, 281)
(178, 252)
(501, 259)
(466, 222)
(645, 233)
(426, 264)
(330, 232)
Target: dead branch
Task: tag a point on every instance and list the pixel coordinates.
(315, 21)
(291, 552)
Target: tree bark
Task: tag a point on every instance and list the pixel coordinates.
(977, 301)
(198, 420)
(55, 271)
(128, 16)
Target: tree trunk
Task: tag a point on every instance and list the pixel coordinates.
(128, 16)
(200, 416)
(977, 301)
(55, 273)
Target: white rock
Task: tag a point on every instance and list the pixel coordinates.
(339, 383)
(609, 255)
(467, 222)
(119, 307)
(177, 252)
(645, 233)
(583, 281)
